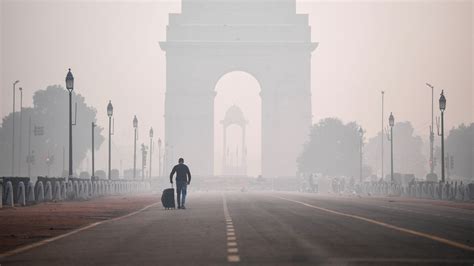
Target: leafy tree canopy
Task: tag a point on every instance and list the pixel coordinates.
(332, 149)
(51, 112)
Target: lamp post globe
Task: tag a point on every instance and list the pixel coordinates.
(110, 109)
(69, 81)
(135, 122)
(442, 102)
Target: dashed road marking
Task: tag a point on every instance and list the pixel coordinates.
(386, 225)
(232, 250)
(233, 258)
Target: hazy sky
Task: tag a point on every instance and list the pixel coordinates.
(364, 47)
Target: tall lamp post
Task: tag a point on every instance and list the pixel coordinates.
(13, 126)
(110, 113)
(442, 108)
(93, 151)
(159, 158)
(383, 94)
(431, 130)
(151, 151)
(391, 122)
(361, 145)
(135, 126)
(20, 133)
(70, 88)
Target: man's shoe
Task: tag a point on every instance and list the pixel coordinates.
(179, 207)
(182, 207)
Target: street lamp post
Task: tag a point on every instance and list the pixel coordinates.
(159, 158)
(442, 108)
(135, 126)
(13, 126)
(151, 151)
(431, 130)
(144, 151)
(391, 122)
(110, 113)
(20, 132)
(383, 94)
(361, 145)
(93, 151)
(70, 88)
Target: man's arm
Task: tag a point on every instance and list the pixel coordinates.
(189, 175)
(171, 175)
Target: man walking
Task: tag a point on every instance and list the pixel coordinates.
(183, 178)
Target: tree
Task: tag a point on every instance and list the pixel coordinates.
(460, 146)
(51, 112)
(407, 155)
(332, 149)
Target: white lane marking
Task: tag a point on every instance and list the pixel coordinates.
(232, 250)
(49, 240)
(233, 258)
(394, 227)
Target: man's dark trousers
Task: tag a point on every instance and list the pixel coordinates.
(181, 191)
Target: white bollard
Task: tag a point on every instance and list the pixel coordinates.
(63, 190)
(57, 191)
(9, 194)
(30, 193)
(48, 192)
(20, 194)
(39, 192)
(1, 194)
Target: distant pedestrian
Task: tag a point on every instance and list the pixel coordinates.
(183, 179)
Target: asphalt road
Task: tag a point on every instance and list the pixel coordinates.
(271, 229)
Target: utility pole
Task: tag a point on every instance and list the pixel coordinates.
(13, 130)
(144, 153)
(151, 151)
(93, 150)
(160, 172)
(28, 158)
(432, 130)
(361, 146)
(135, 126)
(382, 138)
(21, 132)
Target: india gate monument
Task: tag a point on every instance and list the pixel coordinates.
(266, 39)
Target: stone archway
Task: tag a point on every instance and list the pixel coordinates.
(264, 38)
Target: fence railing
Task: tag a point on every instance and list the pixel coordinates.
(23, 192)
(424, 190)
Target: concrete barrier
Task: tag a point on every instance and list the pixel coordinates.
(21, 195)
(39, 189)
(48, 191)
(57, 191)
(75, 188)
(63, 190)
(30, 193)
(9, 200)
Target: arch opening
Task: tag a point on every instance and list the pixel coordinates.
(241, 152)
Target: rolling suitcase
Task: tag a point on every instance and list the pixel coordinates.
(167, 199)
